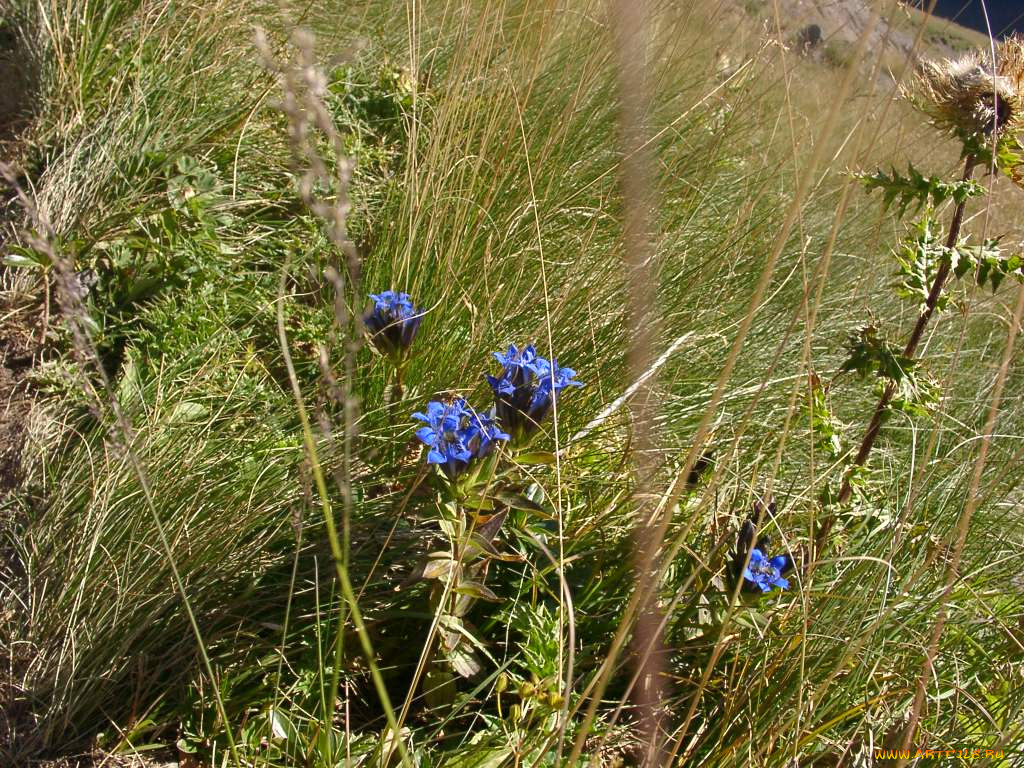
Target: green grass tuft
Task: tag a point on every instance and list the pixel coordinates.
(485, 184)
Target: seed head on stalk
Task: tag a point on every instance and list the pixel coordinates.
(978, 103)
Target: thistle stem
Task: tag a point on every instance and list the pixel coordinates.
(875, 425)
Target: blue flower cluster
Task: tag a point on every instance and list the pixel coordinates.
(526, 389)
(759, 573)
(455, 435)
(766, 573)
(392, 323)
(524, 393)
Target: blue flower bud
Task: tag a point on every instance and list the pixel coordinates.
(526, 389)
(392, 323)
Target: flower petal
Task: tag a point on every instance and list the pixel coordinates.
(427, 436)
(460, 453)
(502, 386)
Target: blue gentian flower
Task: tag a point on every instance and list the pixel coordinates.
(455, 435)
(760, 573)
(392, 323)
(526, 389)
(766, 573)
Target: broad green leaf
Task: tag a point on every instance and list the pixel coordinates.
(475, 589)
(464, 661)
(478, 502)
(281, 726)
(439, 687)
(536, 457)
(438, 568)
(519, 501)
(21, 261)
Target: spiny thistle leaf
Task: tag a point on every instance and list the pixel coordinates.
(919, 258)
(916, 395)
(992, 267)
(873, 354)
(1010, 159)
(921, 255)
(915, 190)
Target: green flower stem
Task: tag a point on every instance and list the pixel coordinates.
(875, 425)
(339, 549)
(397, 390)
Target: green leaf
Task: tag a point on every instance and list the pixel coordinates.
(17, 260)
(916, 395)
(479, 546)
(536, 457)
(439, 687)
(826, 429)
(519, 501)
(477, 502)
(919, 258)
(478, 757)
(453, 528)
(475, 589)
(872, 354)
(438, 567)
(464, 661)
(915, 190)
(281, 726)
(26, 258)
(188, 410)
(992, 266)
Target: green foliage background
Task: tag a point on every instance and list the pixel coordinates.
(485, 184)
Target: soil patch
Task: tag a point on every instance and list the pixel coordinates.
(20, 317)
(14, 74)
(17, 345)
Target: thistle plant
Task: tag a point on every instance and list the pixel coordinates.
(980, 103)
(975, 99)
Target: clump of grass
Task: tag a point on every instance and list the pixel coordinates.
(489, 193)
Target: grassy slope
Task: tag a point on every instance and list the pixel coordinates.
(497, 207)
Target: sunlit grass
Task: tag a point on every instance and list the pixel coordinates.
(496, 204)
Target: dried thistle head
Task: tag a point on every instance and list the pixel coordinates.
(972, 99)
